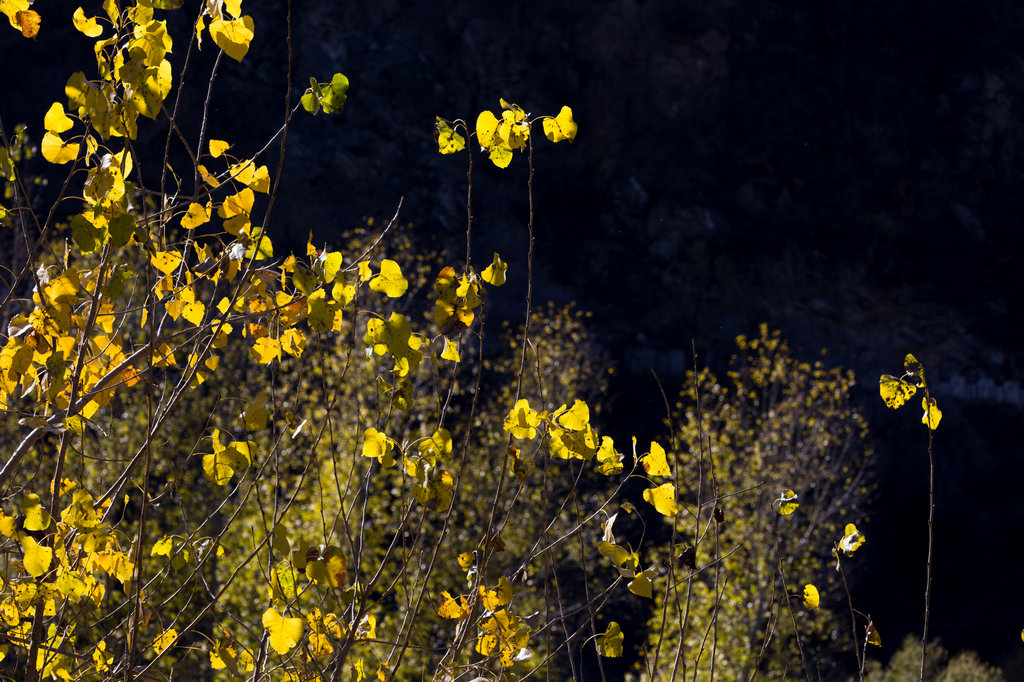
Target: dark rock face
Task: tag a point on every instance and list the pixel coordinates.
(848, 172)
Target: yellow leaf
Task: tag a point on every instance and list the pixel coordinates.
(522, 421)
(36, 518)
(37, 558)
(449, 607)
(609, 462)
(655, 462)
(895, 392)
(390, 281)
(448, 141)
(196, 215)
(163, 546)
(329, 570)
(788, 503)
(233, 36)
(466, 560)
(641, 585)
(810, 595)
(166, 261)
(609, 644)
(56, 121)
(451, 350)
(285, 633)
(378, 446)
(218, 147)
(663, 498)
(194, 312)
(932, 414)
(164, 640)
(266, 350)
(55, 150)
(852, 539)
(293, 342)
(90, 27)
(561, 127)
(248, 174)
(494, 274)
(500, 155)
(486, 127)
(575, 418)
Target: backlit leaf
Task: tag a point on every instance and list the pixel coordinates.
(448, 141)
(196, 215)
(28, 21)
(233, 36)
(895, 392)
(609, 644)
(164, 640)
(810, 596)
(389, 281)
(451, 608)
(788, 503)
(663, 498)
(37, 557)
(609, 462)
(55, 150)
(218, 147)
(932, 414)
(89, 26)
(655, 462)
(522, 421)
(852, 540)
(56, 121)
(561, 127)
(285, 633)
(494, 274)
(641, 585)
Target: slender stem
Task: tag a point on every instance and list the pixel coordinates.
(931, 533)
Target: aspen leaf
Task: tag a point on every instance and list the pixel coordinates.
(218, 147)
(655, 462)
(451, 608)
(162, 547)
(330, 97)
(329, 569)
(389, 281)
(166, 261)
(561, 127)
(486, 127)
(56, 121)
(575, 418)
(914, 368)
(788, 503)
(609, 462)
(500, 156)
(285, 633)
(494, 274)
(873, 637)
(36, 518)
(451, 350)
(233, 36)
(663, 499)
(625, 562)
(895, 392)
(164, 640)
(55, 150)
(641, 585)
(609, 644)
(466, 560)
(37, 558)
(810, 596)
(852, 540)
(28, 21)
(932, 414)
(448, 141)
(196, 215)
(266, 350)
(378, 446)
(522, 421)
(89, 26)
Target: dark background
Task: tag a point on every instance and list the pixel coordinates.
(848, 172)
